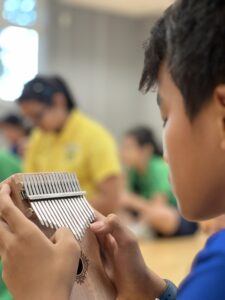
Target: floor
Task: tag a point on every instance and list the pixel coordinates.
(172, 258)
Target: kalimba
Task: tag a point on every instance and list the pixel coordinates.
(53, 200)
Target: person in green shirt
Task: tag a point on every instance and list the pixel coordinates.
(150, 198)
(9, 165)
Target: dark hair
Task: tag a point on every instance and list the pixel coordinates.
(42, 88)
(193, 35)
(16, 121)
(145, 136)
(155, 52)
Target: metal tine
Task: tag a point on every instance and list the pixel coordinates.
(30, 185)
(28, 191)
(25, 185)
(47, 182)
(60, 179)
(73, 224)
(59, 187)
(65, 207)
(70, 218)
(75, 212)
(57, 220)
(76, 182)
(83, 210)
(68, 187)
(67, 176)
(81, 200)
(52, 213)
(42, 211)
(57, 208)
(39, 213)
(51, 180)
(53, 189)
(57, 182)
(36, 210)
(60, 222)
(43, 204)
(48, 210)
(54, 185)
(79, 208)
(39, 204)
(72, 208)
(85, 202)
(62, 183)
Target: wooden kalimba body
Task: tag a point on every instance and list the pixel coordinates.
(53, 200)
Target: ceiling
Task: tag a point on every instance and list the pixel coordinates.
(132, 8)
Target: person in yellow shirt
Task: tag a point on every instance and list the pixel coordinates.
(65, 139)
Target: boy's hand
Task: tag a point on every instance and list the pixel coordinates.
(33, 266)
(124, 263)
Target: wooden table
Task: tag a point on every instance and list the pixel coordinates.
(172, 258)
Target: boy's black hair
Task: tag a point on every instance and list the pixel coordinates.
(16, 121)
(12, 119)
(42, 89)
(192, 34)
(144, 136)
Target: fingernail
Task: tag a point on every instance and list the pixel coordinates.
(97, 225)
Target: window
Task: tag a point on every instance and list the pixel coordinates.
(20, 12)
(18, 47)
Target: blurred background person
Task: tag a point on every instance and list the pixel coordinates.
(149, 198)
(16, 133)
(67, 140)
(9, 165)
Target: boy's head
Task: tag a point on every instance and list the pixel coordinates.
(13, 128)
(185, 57)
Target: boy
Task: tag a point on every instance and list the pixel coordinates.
(185, 57)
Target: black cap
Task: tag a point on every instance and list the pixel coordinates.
(41, 88)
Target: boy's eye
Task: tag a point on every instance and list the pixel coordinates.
(164, 122)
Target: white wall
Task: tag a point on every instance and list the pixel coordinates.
(101, 57)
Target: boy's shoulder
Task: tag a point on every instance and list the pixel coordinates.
(206, 279)
(216, 242)
(213, 251)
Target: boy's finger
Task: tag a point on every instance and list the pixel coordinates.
(9, 212)
(5, 236)
(61, 234)
(112, 225)
(99, 216)
(64, 238)
(5, 188)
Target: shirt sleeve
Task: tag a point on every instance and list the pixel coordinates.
(104, 161)
(32, 148)
(206, 280)
(159, 178)
(9, 165)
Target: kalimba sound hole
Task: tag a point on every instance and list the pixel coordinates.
(82, 269)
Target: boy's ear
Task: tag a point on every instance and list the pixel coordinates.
(219, 95)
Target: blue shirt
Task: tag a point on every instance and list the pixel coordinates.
(207, 278)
